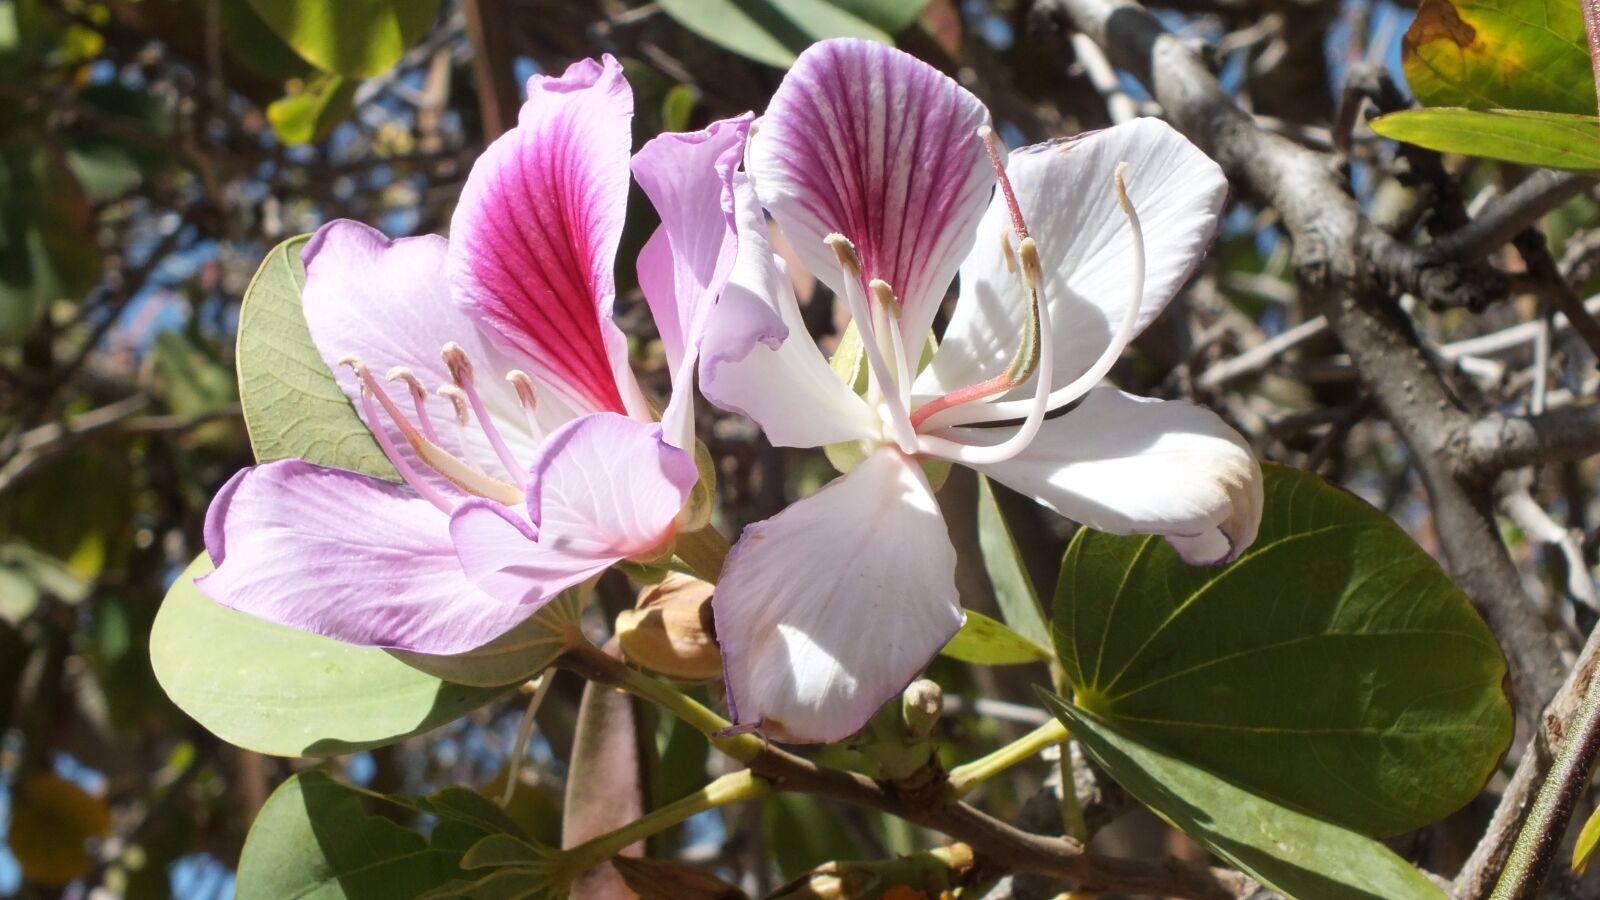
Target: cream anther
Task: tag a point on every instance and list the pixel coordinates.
(524, 387)
(884, 294)
(455, 359)
(458, 399)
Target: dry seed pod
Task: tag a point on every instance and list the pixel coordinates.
(669, 631)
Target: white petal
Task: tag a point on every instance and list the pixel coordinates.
(1132, 465)
(757, 359)
(1069, 200)
(829, 609)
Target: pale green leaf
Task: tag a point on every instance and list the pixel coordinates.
(1013, 589)
(1526, 137)
(293, 408)
(1588, 840)
(1299, 855)
(770, 31)
(517, 655)
(310, 112)
(286, 692)
(1334, 667)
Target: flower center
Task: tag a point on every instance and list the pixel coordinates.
(423, 436)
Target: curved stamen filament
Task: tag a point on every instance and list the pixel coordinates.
(419, 399)
(850, 268)
(461, 373)
(1038, 405)
(889, 304)
(1013, 409)
(522, 383)
(435, 457)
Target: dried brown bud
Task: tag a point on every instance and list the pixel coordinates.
(669, 631)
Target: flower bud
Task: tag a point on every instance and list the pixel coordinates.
(669, 630)
(921, 705)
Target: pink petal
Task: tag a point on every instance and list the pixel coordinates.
(683, 267)
(870, 142)
(1085, 248)
(758, 360)
(1132, 465)
(829, 609)
(604, 488)
(363, 297)
(534, 238)
(355, 558)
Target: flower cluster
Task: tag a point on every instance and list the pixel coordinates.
(489, 370)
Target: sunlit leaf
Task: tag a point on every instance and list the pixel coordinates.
(985, 642)
(310, 111)
(1297, 854)
(285, 692)
(292, 406)
(355, 38)
(1500, 54)
(1557, 140)
(773, 31)
(1334, 667)
(1588, 840)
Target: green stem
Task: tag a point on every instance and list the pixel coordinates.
(1547, 821)
(731, 788)
(966, 777)
(704, 551)
(594, 664)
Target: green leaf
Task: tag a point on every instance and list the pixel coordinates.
(774, 31)
(1521, 136)
(286, 692)
(517, 655)
(189, 378)
(1013, 589)
(985, 642)
(293, 408)
(309, 112)
(1334, 668)
(312, 840)
(1293, 853)
(892, 16)
(355, 38)
(1500, 54)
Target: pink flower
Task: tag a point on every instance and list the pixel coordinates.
(490, 371)
(875, 166)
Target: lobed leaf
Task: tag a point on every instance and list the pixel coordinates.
(1334, 668)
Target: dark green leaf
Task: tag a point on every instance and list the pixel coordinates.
(313, 840)
(292, 406)
(287, 692)
(48, 249)
(1299, 855)
(985, 642)
(355, 38)
(1500, 54)
(1334, 668)
(1530, 138)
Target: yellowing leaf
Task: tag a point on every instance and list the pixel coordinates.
(1588, 840)
(1500, 54)
(52, 822)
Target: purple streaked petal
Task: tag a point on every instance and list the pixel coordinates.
(604, 487)
(355, 558)
(1132, 465)
(829, 609)
(682, 269)
(1068, 197)
(534, 237)
(758, 360)
(870, 142)
(363, 297)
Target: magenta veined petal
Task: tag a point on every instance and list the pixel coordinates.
(345, 555)
(684, 266)
(534, 237)
(872, 143)
(829, 609)
(604, 487)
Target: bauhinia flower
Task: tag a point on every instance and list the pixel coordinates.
(490, 372)
(876, 168)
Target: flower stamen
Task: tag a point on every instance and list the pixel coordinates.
(462, 374)
(878, 367)
(419, 399)
(370, 390)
